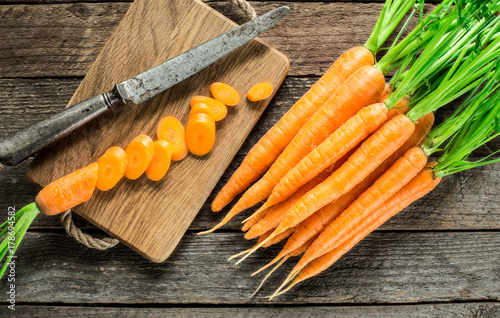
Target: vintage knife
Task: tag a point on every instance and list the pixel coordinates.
(25, 142)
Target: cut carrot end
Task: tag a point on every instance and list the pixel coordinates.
(68, 191)
(260, 92)
(161, 160)
(139, 153)
(112, 166)
(171, 130)
(219, 110)
(200, 134)
(225, 94)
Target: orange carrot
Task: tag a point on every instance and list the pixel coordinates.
(264, 153)
(225, 93)
(202, 108)
(372, 152)
(350, 134)
(68, 191)
(317, 222)
(218, 109)
(260, 91)
(254, 218)
(112, 167)
(198, 99)
(161, 160)
(385, 94)
(361, 89)
(139, 152)
(398, 175)
(264, 236)
(172, 131)
(419, 186)
(200, 134)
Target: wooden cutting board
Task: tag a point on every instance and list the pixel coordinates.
(151, 217)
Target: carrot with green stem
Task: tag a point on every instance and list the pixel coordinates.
(360, 125)
(381, 144)
(264, 153)
(472, 125)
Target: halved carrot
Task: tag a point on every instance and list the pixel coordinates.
(260, 91)
(202, 108)
(68, 191)
(140, 152)
(200, 134)
(171, 130)
(161, 160)
(112, 167)
(224, 93)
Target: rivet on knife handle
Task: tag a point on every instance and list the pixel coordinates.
(25, 142)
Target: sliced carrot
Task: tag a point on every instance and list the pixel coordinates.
(68, 191)
(112, 167)
(197, 99)
(260, 92)
(140, 152)
(218, 109)
(200, 134)
(202, 108)
(171, 130)
(161, 160)
(225, 93)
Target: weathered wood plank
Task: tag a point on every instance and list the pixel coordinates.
(459, 310)
(469, 200)
(64, 39)
(387, 267)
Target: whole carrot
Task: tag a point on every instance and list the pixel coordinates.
(264, 153)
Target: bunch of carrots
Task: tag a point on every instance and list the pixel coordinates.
(141, 156)
(349, 154)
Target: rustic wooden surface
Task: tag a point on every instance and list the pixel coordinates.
(438, 258)
(152, 32)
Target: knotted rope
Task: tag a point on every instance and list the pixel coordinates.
(109, 242)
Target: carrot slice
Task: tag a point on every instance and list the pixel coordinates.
(260, 91)
(200, 134)
(202, 108)
(197, 99)
(161, 160)
(140, 153)
(68, 191)
(112, 167)
(172, 131)
(225, 93)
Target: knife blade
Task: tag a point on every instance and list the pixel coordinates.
(138, 89)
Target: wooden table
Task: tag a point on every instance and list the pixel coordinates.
(438, 258)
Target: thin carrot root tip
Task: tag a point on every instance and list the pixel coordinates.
(161, 160)
(68, 191)
(171, 130)
(225, 94)
(260, 92)
(200, 134)
(112, 167)
(268, 275)
(139, 152)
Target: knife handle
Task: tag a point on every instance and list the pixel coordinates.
(27, 141)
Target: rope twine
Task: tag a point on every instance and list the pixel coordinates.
(109, 242)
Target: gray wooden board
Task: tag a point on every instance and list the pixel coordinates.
(64, 39)
(386, 267)
(459, 310)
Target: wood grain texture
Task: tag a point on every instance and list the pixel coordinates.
(64, 39)
(458, 310)
(386, 267)
(467, 201)
(151, 217)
